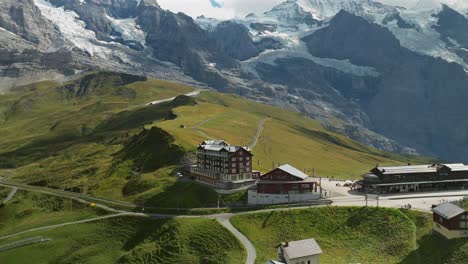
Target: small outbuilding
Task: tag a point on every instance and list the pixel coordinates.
(305, 251)
(450, 220)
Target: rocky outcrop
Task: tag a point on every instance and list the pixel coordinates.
(22, 17)
(452, 25)
(411, 102)
(234, 40)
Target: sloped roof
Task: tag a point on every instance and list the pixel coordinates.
(302, 248)
(215, 142)
(448, 210)
(421, 168)
(230, 149)
(293, 171)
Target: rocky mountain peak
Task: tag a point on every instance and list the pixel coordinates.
(322, 9)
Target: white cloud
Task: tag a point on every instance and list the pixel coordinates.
(230, 8)
(240, 8)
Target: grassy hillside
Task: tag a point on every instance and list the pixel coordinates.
(346, 235)
(133, 240)
(87, 136)
(31, 210)
(432, 248)
(355, 235)
(288, 137)
(95, 135)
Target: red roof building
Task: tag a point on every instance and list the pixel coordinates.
(284, 184)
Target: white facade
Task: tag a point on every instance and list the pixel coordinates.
(255, 198)
(304, 260)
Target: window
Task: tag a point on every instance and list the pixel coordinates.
(247, 158)
(233, 170)
(233, 159)
(463, 224)
(241, 158)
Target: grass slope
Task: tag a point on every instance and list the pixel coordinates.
(345, 234)
(30, 210)
(87, 136)
(288, 137)
(95, 135)
(133, 240)
(433, 248)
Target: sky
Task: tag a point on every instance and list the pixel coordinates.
(226, 9)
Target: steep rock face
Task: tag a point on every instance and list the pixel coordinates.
(452, 24)
(291, 12)
(419, 99)
(21, 18)
(352, 37)
(176, 38)
(396, 16)
(234, 40)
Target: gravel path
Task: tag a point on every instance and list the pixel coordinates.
(191, 94)
(260, 126)
(251, 252)
(10, 195)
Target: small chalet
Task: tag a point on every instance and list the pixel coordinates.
(450, 220)
(305, 251)
(283, 185)
(222, 165)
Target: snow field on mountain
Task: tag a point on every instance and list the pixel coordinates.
(73, 29)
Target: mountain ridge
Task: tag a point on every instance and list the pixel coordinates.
(262, 57)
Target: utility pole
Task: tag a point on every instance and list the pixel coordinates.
(320, 182)
(219, 198)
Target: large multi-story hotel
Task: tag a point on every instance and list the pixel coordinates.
(222, 165)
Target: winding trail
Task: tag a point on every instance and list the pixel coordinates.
(10, 195)
(260, 126)
(70, 223)
(249, 247)
(191, 94)
(197, 126)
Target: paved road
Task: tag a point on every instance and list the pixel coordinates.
(421, 202)
(71, 223)
(251, 252)
(191, 94)
(260, 127)
(10, 195)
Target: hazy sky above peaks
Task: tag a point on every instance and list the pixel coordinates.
(226, 9)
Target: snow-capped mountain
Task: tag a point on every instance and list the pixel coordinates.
(363, 62)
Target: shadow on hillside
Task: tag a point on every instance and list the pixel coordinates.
(111, 131)
(362, 214)
(267, 222)
(183, 195)
(435, 249)
(150, 231)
